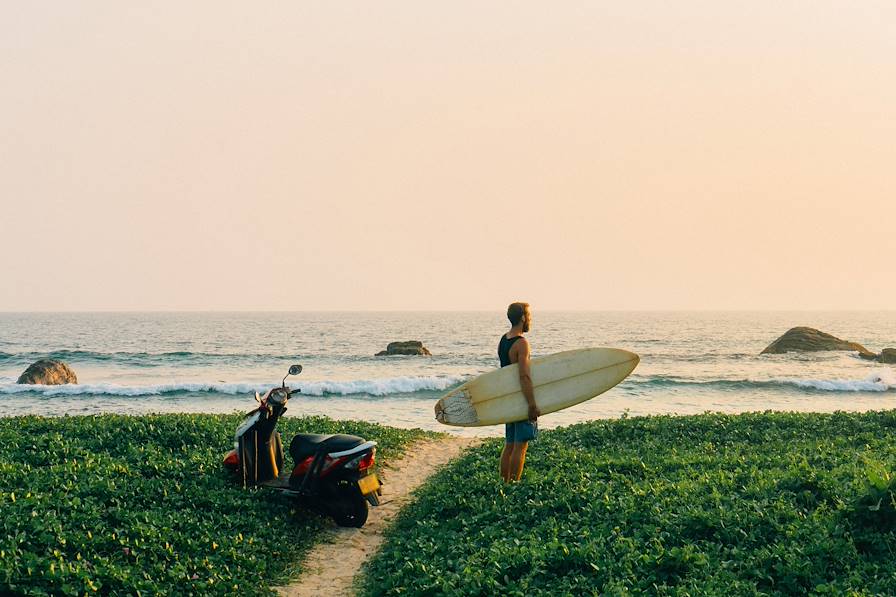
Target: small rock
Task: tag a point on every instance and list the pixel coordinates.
(409, 347)
(48, 372)
(888, 356)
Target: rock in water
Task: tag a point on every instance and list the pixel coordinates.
(803, 339)
(409, 347)
(888, 356)
(48, 372)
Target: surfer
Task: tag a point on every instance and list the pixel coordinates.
(514, 348)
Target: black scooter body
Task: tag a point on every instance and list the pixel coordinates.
(331, 473)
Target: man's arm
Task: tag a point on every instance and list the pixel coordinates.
(526, 377)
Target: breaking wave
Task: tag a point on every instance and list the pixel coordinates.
(370, 387)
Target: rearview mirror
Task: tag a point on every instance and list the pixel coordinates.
(295, 369)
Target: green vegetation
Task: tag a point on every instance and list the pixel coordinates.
(141, 505)
(755, 504)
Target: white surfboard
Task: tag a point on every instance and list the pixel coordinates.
(560, 380)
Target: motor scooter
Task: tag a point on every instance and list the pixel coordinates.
(333, 473)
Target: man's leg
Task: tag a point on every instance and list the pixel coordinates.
(508, 448)
(517, 460)
(505, 461)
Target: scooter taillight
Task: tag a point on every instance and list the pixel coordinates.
(368, 460)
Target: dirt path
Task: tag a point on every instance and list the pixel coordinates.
(331, 567)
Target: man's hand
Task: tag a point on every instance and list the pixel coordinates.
(534, 413)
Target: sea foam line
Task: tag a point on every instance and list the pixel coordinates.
(882, 380)
(372, 387)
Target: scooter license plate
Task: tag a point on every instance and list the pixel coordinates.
(368, 484)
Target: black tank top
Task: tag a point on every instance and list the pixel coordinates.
(504, 349)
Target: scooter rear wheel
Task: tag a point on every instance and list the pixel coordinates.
(349, 509)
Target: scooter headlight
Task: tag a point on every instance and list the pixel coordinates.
(278, 396)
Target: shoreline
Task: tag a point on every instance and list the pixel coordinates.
(546, 422)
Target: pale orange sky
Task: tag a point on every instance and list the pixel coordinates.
(595, 155)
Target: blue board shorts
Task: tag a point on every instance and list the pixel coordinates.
(521, 431)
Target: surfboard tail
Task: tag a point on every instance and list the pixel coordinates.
(457, 409)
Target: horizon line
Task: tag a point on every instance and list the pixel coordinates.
(541, 310)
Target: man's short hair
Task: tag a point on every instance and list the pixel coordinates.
(516, 311)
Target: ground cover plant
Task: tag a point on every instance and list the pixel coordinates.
(140, 505)
(753, 504)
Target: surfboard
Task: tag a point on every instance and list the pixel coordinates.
(560, 380)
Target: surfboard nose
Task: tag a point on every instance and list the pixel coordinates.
(631, 358)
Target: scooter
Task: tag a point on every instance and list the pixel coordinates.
(333, 474)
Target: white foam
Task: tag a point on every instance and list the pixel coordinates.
(380, 387)
(372, 387)
(880, 380)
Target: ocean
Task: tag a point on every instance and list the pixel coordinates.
(691, 362)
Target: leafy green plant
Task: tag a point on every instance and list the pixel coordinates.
(876, 505)
(752, 504)
(141, 505)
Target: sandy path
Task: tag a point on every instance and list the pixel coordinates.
(331, 567)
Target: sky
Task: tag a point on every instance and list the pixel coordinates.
(447, 156)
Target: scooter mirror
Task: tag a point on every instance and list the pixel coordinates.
(295, 369)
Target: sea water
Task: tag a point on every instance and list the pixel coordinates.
(691, 362)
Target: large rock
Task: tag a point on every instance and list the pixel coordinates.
(409, 347)
(888, 356)
(48, 372)
(803, 339)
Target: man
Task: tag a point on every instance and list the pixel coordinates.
(514, 348)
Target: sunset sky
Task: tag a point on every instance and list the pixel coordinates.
(408, 155)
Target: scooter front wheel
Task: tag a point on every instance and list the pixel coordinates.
(349, 508)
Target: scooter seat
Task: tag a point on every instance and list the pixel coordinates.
(304, 445)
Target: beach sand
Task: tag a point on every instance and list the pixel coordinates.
(331, 567)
